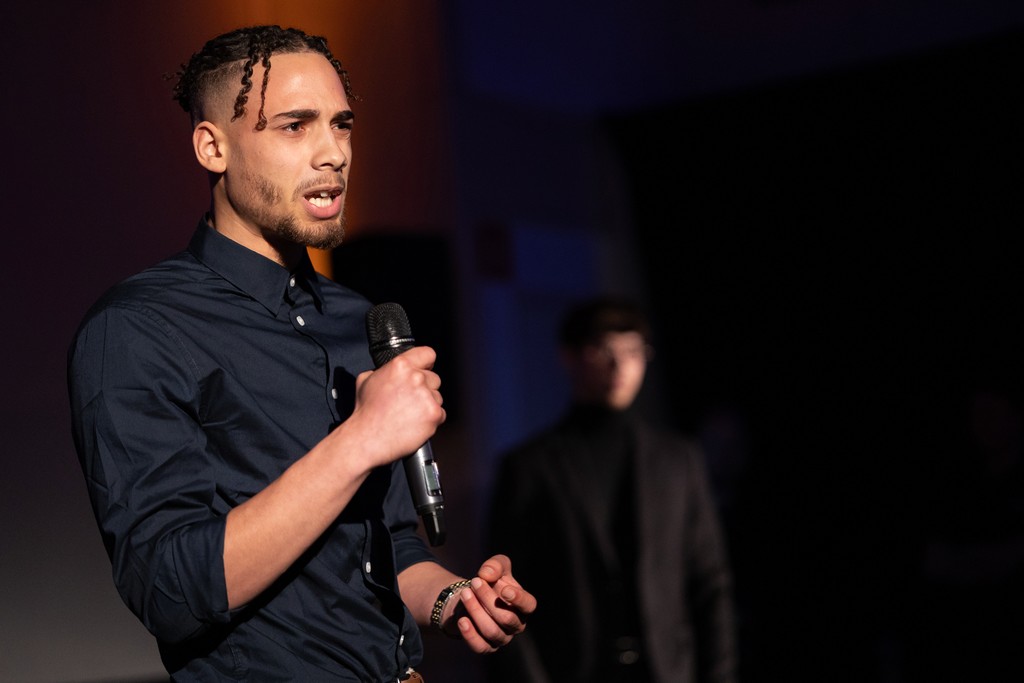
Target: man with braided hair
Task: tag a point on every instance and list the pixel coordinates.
(240, 454)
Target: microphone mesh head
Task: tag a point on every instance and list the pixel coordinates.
(388, 331)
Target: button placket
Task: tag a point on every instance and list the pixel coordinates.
(301, 300)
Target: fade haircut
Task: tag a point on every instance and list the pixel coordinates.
(231, 57)
(586, 322)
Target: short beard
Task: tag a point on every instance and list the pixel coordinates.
(320, 235)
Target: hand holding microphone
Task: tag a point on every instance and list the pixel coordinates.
(387, 329)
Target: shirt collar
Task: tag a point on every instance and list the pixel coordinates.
(255, 274)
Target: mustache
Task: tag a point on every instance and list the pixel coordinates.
(320, 181)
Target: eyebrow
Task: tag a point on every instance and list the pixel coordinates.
(310, 114)
(345, 116)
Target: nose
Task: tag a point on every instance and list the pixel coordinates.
(331, 152)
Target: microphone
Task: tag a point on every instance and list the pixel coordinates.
(387, 329)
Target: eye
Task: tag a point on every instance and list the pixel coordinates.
(294, 127)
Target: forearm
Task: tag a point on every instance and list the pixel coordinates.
(267, 533)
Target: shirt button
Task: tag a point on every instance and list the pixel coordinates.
(334, 393)
(401, 640)
(300, 321)
(291, 282)
(368, 567)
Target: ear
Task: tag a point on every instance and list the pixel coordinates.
(210, 146)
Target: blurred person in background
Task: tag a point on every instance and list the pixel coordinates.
(613, 526)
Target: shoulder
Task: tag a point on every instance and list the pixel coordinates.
(537, 442)
(668, 438)
(535, 452)
(143, 304)
(167, 280)
(669, 445)
(131, 330)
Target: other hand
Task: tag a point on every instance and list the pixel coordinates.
(494, 608)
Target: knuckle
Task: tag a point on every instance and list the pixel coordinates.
(495, 634)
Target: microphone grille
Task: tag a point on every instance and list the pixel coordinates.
(388, 331)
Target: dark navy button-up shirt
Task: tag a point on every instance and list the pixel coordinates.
(193, 386)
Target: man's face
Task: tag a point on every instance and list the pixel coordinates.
(609, 371)
(285, 185)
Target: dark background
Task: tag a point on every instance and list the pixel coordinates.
(817, 202)
(839, 259)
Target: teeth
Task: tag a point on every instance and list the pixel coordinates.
(324, 199)
(321, 201)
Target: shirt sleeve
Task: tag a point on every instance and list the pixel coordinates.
(400, 517)
(136, 407)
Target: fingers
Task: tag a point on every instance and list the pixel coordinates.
(412, 371)
(494, 568)
(488, 624)
(362, 377)
(496, 606)
(497, 571)
(419, 356)
(415, 366)
(398, 406)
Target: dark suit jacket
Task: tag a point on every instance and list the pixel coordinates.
(545, 518)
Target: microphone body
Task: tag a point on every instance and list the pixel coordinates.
(387, 329)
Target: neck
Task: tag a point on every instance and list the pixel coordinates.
(284, 253)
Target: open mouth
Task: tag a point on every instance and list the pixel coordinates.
(322, 199)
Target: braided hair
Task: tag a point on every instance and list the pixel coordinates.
(231, 56)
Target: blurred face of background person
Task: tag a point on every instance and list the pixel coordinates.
(608, 371)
